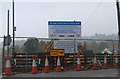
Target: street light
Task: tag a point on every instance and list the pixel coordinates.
(13, 48)
(118, 13)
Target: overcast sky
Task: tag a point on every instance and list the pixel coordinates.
(31, 18)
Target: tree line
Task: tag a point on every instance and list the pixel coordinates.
(34, 45)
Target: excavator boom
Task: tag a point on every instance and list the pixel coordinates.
(49, 45)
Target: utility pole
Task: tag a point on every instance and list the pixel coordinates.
(13, 49)
(118, 14)
(8, 35)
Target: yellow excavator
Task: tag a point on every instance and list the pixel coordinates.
(49, 45)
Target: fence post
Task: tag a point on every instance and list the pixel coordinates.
(74, 52)
(26, 63)
(113, 46)
(3, 51)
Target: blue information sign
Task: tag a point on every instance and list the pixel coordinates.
(64, 29)
(64, 23)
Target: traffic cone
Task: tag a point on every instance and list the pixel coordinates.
(8, 70)
(105, 64)
(34, 66)
(47, 67)
(79, 67)
(58, 68)
(95, 65)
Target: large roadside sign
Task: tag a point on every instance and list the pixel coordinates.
(57, 52)
(64, 29)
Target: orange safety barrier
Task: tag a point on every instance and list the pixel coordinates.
(67, 59)
(81, 56)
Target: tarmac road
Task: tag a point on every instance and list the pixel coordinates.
(87, 73)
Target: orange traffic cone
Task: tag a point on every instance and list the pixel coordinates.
(8, 70)
(58, 68)
(47, 67)
(105, 64)
(95, 65)
(34, 66)
(79, 67)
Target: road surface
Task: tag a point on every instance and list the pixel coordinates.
(87, 73)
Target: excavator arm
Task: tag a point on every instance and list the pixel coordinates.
(49, 45)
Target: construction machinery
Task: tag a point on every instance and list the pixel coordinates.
(49, 45)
